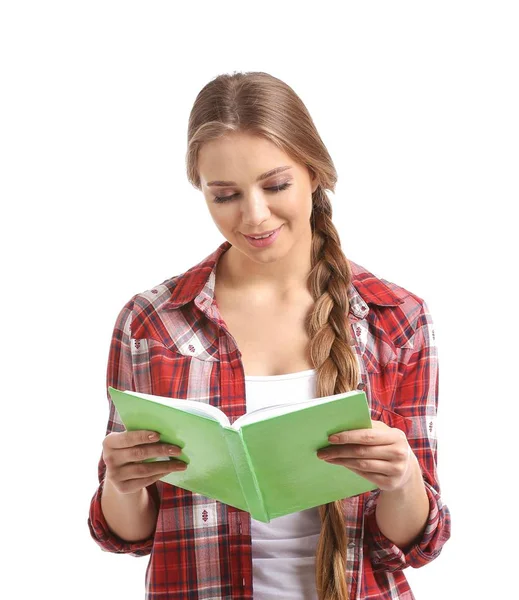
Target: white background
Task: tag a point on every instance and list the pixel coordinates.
(417, 104)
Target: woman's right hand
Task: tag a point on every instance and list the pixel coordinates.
(123, 453)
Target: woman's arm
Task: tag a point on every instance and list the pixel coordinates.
(402, 514)
(132, 517)
(405, 521)
(119, 524)
(394, 545)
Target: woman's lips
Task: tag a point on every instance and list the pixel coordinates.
(263, 242)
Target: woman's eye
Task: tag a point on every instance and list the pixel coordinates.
(277, 188)
(219, 199)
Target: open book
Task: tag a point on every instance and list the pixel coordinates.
(266, 461)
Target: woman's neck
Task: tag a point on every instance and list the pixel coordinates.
(236, 271)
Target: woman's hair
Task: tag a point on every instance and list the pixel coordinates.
(260, 104)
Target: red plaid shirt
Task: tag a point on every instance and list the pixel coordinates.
(171, 341)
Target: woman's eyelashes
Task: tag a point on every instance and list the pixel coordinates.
(275, 189)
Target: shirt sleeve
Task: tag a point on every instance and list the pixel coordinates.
(119, 375)
(416, 399)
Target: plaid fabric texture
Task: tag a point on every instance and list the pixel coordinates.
(171, 341)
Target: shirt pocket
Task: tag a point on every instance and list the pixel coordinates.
(392, 419)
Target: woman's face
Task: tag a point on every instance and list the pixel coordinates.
(233, 169)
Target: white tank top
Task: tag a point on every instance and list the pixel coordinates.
(283, 551)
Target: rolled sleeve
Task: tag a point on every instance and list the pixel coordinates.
(106, 538)
(416, 399)
(387, 556)
(120, 376)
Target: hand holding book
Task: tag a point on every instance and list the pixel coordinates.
(124, 454)
(381, 454)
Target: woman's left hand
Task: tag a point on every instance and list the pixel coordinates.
(381, 454)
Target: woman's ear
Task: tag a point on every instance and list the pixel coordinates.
(314, 180)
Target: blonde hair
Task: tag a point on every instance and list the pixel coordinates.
(260, 104)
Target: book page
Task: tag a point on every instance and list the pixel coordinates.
(268, 412)
(191, 406)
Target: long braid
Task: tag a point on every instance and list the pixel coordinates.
(337, 371)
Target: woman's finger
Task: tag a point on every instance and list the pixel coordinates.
(380, 434)
(132, 485)
(147, 451)
(360, 451)
(126, 439)
(143, 470)
(379, 467)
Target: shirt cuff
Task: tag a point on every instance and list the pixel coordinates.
(387, 556)
(107, 539)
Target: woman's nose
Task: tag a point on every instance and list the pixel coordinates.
(255, 209)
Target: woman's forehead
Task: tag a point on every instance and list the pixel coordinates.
(230, 161)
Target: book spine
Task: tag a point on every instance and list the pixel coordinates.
(245, 472)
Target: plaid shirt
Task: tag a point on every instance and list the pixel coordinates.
(171, 341)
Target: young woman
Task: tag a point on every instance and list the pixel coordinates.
(277, 312)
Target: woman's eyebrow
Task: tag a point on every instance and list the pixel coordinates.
(259, 178)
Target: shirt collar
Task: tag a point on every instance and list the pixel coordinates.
(198, 281)
(198, 284)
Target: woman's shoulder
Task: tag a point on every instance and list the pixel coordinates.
(397, 310)
(158, 302)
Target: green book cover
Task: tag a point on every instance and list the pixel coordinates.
(266, 461)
